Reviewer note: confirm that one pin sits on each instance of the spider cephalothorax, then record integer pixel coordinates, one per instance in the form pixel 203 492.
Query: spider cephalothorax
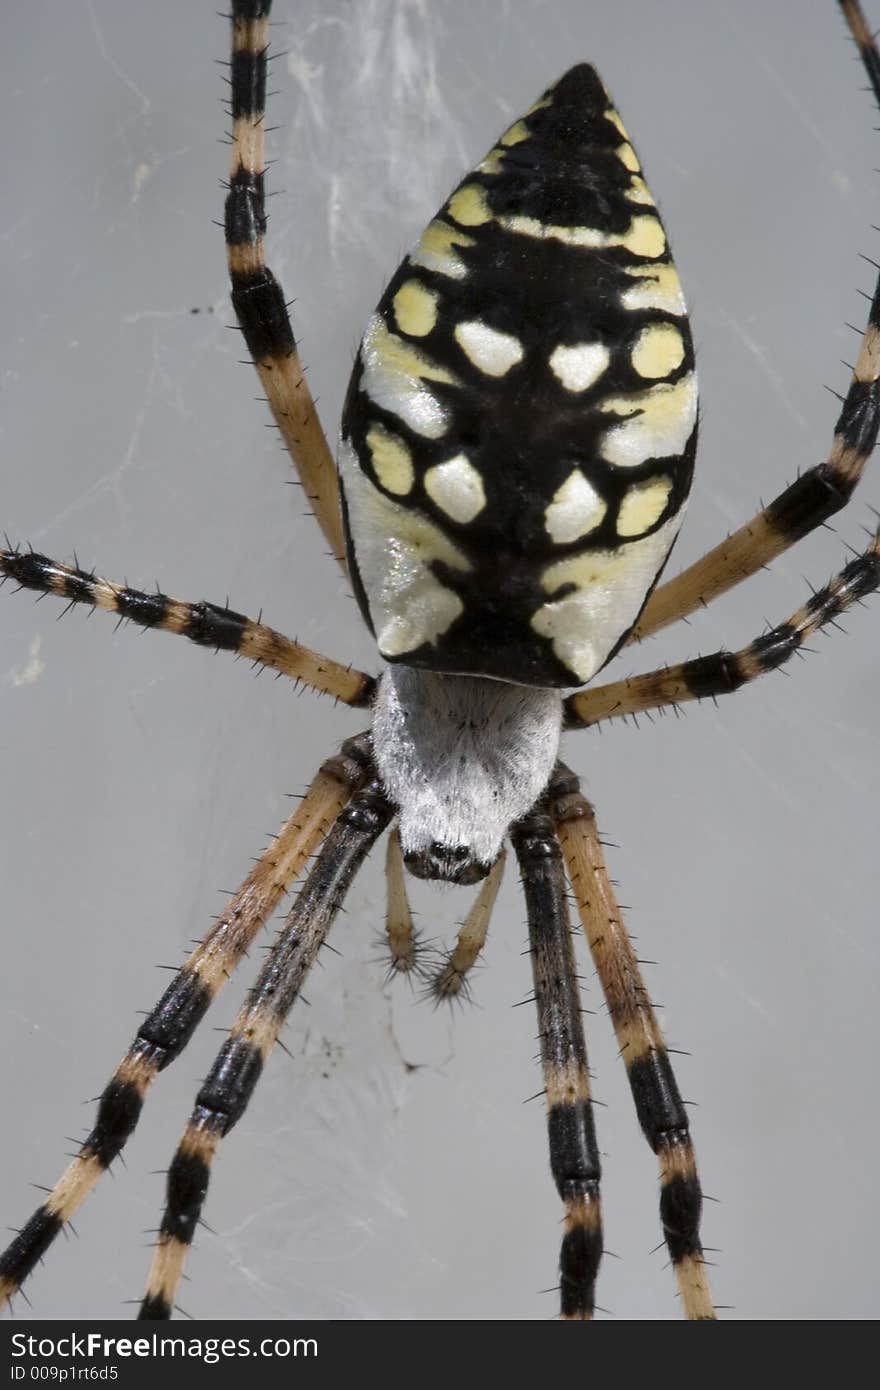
pixel 518 445
pixel 462 758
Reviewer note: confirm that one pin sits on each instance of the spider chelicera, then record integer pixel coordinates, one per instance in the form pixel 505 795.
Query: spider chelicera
pixel 31 576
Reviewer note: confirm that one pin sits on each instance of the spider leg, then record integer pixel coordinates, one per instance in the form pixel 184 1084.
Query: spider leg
pixel 659 1107
pixel 224 1096
pixel 206 624
pixel 399 929
pixel 818 493
pixel 450 981
pixel 257 297
pixel 574 1155
pixel 168 1028
pixel 723 672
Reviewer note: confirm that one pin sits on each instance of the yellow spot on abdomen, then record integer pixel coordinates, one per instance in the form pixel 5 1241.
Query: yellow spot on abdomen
pixel 655 287
pixel 607 589
pixel 639 192
pixel 394 378
pixel 518 132
pixel 643 506
pixel 612 116
pixel 415 309
pixel 661 421
pixel 645 237
pixel 493 162
pixel 468 206
pixel 392 460
pixel 437 247
pixel 628 157
pixel 658 350
pixel 396 546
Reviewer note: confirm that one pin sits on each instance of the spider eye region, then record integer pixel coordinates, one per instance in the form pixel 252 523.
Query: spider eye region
pixel 447 863
pixel 461 758
pixel 519 432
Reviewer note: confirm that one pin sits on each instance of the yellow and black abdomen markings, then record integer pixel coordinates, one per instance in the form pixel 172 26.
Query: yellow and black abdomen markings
pixel 521 421
pixel 809 501
pixel 206 624
pixel 574 1154
pixel 659 1107
pixel 722 672
pixel 257 297
pixel 224 1096
pixel 169 1026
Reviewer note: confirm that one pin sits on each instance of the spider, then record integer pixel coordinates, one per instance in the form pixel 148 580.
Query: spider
pixel 648 663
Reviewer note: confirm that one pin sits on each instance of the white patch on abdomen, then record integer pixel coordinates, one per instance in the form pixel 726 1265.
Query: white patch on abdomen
pixel 394 546
pixel 610 588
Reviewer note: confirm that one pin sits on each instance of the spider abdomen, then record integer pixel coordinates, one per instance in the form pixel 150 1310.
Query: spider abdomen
pixel 519 431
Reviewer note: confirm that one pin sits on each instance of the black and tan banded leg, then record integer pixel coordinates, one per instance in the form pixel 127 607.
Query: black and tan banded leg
pixel 168 1028
pixel 451 980
pixel 818 493
pixel 574 1155
pixel 724 672
pixel 659 1106
pixel 224 1096
pixel 206 624
pixel 257 297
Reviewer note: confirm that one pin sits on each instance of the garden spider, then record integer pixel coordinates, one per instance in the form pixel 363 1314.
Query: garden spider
pixel 747 627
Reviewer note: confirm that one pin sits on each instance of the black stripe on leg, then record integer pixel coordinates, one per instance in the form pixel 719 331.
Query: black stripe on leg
pixel 154 1308
pixel 664 1122
pixel 258 301
pixel 188 1179
pixel 34 571
pixel 27 1249
pixel 245 218
pixel 819 493
pixel 209 625
pixel 681 1208
pixel 856 580
pixel 717 674
pixel 171 1024
pixel 658 1102
pixel 248 78
pixel 119 1110
pixel 811 499
pixel 231 1082
pixel 858 420
pixel 772 649
pixel 574 1154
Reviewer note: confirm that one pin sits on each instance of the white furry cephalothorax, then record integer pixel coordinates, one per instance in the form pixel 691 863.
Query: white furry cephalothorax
pixel 463 757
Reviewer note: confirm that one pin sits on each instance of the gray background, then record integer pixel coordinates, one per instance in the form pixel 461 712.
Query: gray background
pixel 139 774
